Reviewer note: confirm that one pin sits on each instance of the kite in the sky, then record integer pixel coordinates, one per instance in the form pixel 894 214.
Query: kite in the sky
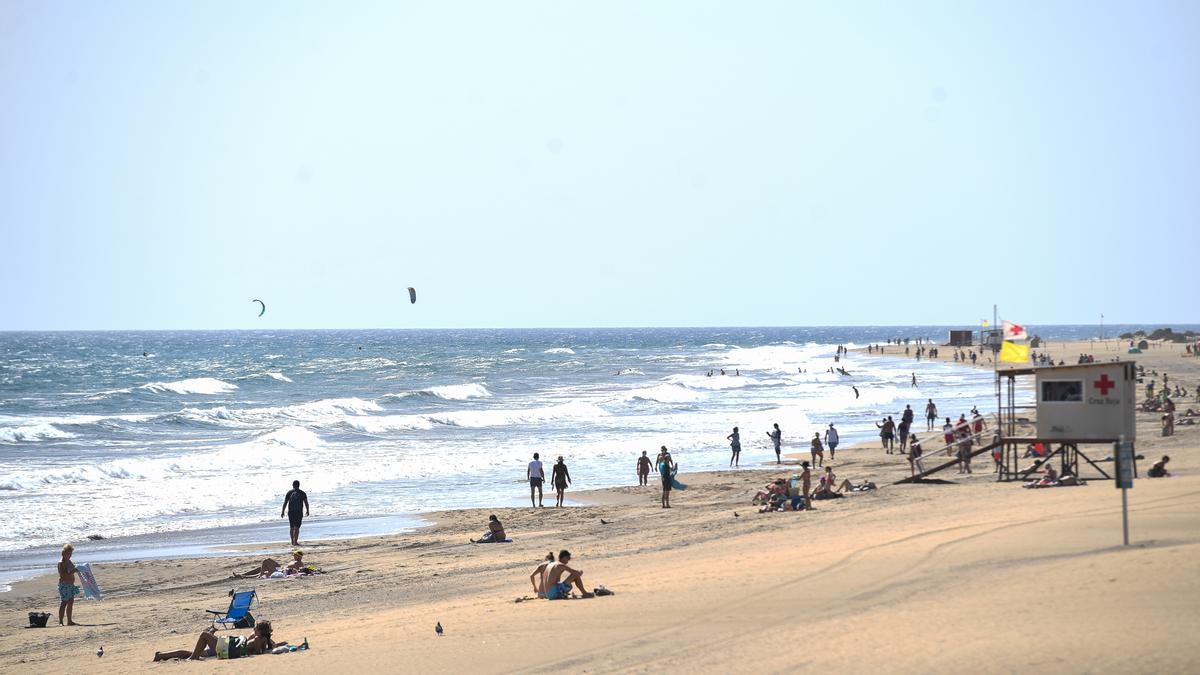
pixel 264 306
pixel 412 295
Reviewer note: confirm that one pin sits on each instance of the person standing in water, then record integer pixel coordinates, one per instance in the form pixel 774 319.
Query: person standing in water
pixel 561 479
pixel 776 437
pixel 735 443
pixel 536 476
pixel 295 502
pixel 643 469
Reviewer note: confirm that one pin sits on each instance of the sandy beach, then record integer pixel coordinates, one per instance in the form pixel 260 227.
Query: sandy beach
pixel 969 575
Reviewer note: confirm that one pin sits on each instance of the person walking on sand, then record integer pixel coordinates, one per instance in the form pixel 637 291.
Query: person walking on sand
pixel 887 432
pixel 561 479
pixel 735 443
pixel 295 502
pixel 817 452
pixel 776 437
pixel 67 590
pixel 831 440
pixel 643 469
pixel 930 415
pixel 536 477
pixel 666 472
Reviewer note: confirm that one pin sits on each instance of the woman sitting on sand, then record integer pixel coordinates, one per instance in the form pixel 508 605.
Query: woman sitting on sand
pixel 1049 479
pixel 226 646
pixel 495 533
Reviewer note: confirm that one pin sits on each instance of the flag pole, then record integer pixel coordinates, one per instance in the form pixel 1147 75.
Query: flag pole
pixel 996 374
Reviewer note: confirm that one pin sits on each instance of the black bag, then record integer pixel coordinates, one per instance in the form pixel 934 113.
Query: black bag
pixel 245 622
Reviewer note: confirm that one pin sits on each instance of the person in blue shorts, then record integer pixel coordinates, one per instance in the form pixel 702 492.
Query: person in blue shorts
pixel 67 590
pixel 560 577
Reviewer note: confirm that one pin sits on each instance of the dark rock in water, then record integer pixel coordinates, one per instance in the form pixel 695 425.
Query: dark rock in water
pixel 95 537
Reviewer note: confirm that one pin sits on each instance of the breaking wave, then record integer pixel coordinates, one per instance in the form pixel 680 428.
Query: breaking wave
pixel 195 385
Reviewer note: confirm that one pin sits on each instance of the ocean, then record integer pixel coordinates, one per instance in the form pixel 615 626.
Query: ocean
pixel 136 434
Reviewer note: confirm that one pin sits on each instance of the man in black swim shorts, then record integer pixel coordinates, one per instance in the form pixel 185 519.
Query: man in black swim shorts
pixel 296 505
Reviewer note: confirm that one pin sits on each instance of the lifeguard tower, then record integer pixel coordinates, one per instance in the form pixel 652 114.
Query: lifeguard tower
pixel 1077 405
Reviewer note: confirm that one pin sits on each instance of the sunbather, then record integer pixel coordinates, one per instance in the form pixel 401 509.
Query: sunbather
pixel 226 646
pixel 1048 479
pixel 538 578
pixel 1159 470
pixel 495 533
pixel 266 569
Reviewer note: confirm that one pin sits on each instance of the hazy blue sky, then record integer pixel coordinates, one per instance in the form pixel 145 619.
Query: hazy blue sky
pixel 597 164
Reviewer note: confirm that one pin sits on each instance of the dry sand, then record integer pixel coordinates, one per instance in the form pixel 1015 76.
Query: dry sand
pixel 970 576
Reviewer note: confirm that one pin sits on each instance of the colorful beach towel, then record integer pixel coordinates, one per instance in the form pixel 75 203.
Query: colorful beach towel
pixel 88 580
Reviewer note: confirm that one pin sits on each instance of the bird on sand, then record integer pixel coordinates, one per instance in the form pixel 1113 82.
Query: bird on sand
pixel 438 629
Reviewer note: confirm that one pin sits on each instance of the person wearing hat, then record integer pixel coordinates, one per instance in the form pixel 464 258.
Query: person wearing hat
pixel 561 479
pixel 831 439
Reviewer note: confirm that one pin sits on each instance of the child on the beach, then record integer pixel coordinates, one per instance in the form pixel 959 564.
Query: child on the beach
pixel 67 590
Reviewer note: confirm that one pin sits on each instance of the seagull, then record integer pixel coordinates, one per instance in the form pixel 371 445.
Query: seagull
pixel 100 652
pixel 735 514
pixel 603 521
pixel 438 629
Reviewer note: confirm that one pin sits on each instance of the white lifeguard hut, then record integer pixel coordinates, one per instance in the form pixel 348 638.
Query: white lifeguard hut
pixel 1084 404
pixel 1089 402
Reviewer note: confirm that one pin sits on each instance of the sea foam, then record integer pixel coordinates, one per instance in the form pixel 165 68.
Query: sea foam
pixel 195 385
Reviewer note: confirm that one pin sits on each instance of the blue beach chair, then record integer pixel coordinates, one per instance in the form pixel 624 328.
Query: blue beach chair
pixel 239 608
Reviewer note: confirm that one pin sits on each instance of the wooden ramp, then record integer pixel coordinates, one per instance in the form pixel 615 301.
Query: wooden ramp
pixel 946 465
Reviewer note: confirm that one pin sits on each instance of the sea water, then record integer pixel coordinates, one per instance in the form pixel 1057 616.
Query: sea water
pixel 126 434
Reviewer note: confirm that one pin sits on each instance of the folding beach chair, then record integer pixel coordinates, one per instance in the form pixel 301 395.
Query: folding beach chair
pixel 239 608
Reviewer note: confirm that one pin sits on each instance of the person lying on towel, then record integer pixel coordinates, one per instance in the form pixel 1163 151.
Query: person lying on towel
pixel 226 646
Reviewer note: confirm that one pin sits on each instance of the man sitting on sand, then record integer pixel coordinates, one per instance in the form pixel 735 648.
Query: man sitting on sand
pixel 560 576
pixel 1159 470
pixel 226 646
pixel 495 533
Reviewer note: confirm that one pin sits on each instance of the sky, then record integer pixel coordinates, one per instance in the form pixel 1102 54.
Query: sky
pixel 537 164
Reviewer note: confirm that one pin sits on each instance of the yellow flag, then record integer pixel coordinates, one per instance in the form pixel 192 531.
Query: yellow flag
pixel 1011 352
pixel 984 322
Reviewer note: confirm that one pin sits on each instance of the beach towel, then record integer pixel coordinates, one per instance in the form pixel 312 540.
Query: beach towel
pixel 490 541
pixel 88 580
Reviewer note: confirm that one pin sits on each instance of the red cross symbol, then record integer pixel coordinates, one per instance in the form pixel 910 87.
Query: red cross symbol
pixel 1016 330
pixel 1104 384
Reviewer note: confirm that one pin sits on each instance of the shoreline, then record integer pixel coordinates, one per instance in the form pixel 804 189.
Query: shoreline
pixel 967 552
